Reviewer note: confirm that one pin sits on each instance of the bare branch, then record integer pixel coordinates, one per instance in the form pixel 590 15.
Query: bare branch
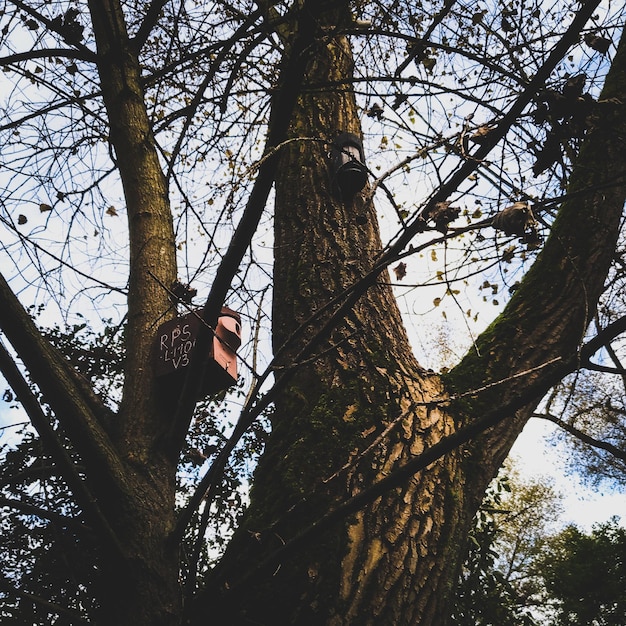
pixel 579 434
pixel 419 46
pixel 149 21
pixel 55 26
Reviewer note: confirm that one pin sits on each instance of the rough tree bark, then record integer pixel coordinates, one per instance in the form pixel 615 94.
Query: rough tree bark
pixel 396 560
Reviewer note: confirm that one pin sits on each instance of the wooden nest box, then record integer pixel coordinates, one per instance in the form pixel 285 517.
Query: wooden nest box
pixel 175 341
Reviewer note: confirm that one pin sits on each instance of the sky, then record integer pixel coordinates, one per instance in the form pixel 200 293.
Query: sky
pixel 537 456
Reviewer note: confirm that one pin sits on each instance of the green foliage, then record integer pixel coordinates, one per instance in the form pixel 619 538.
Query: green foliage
pixel 47 551
pixel 519 572
pixel 487 595
pixel 98 355
pixel 585 575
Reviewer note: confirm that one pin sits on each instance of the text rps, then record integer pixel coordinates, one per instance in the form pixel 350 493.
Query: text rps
pixel 175 346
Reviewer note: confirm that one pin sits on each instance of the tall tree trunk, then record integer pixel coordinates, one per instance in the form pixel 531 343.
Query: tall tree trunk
pixel 396 560
pixel 142 587
pixel 339 400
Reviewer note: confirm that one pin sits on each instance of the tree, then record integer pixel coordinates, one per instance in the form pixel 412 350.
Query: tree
pixel 523 567
pixel 374 467
pixel 584 573
pixel 500 580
